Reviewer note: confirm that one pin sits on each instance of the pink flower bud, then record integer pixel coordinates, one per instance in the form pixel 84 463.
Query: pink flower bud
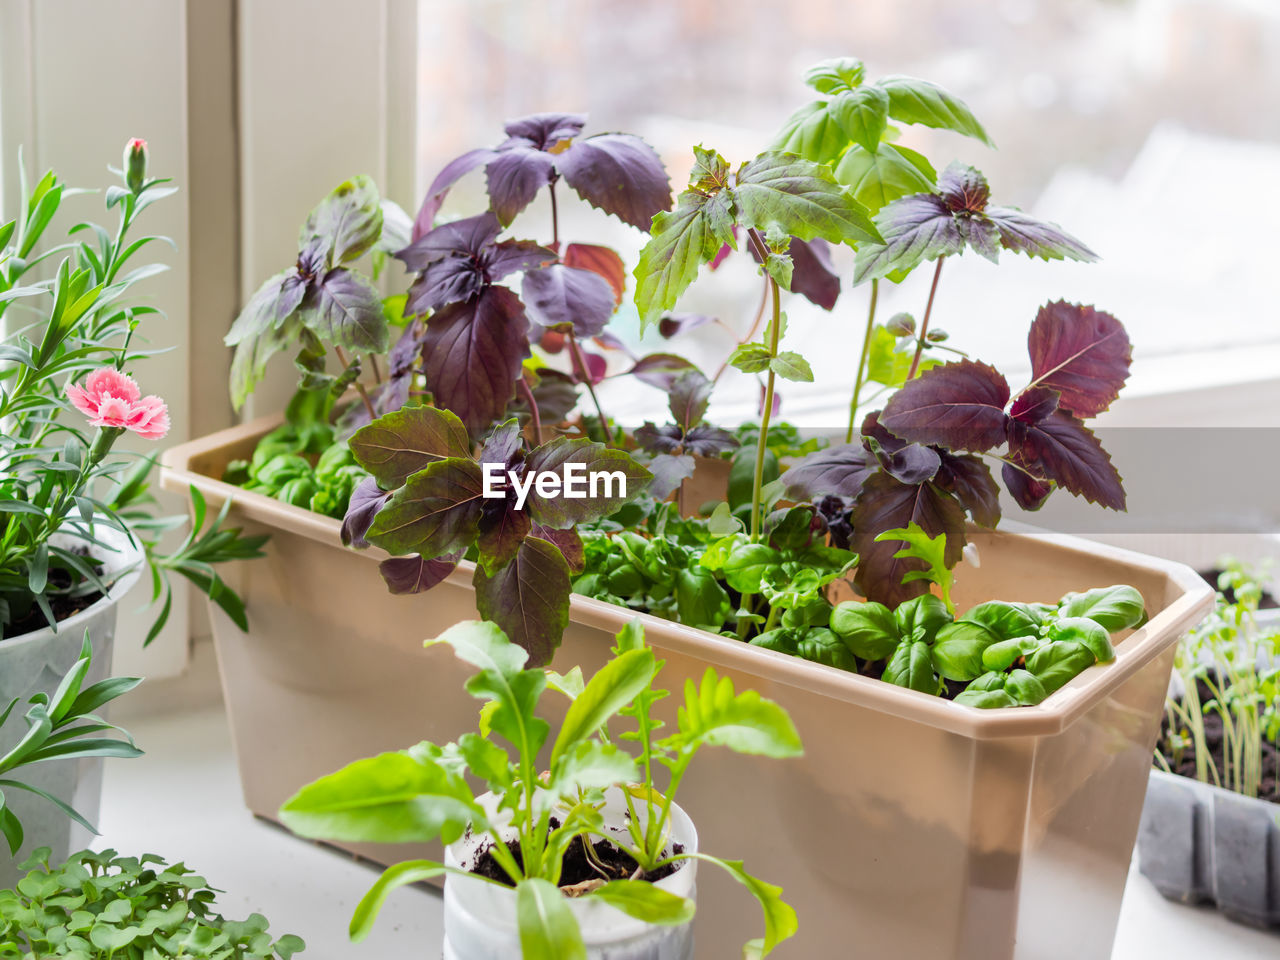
pixel 135 164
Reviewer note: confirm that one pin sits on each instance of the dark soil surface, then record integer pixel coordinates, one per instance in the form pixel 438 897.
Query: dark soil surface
pixel 1270 787
pixel 618 864
pixel 1268 602
pixel 63 606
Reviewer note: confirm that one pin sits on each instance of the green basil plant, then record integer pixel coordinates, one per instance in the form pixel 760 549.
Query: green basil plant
pixel 422 794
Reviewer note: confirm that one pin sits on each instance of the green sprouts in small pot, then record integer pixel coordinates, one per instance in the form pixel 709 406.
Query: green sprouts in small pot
pixel 422 794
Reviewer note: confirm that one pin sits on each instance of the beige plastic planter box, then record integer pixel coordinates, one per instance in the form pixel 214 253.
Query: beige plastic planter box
pixel 911 828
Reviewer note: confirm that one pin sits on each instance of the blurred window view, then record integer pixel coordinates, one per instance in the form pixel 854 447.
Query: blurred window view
pixel 1149 128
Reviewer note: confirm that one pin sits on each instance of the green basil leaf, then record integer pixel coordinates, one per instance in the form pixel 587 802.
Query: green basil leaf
pixel 867 629
pixel 1025 688
pixel 921 617
pixel 1057 662
pixel 911 666
pixel 1115 608
pixel 1087 632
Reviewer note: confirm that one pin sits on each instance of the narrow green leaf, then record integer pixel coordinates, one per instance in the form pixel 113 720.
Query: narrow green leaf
pixel 548 928
pixel 647 902
pixel 399 875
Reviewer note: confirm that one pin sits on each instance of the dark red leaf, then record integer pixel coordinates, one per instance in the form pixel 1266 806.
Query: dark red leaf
pixel 457 238
pixel 1027 491
pixel 434 513
pixel 708 441
pixel 397 445
pixel 620 174
pixel 907 462
pixel 555 393
pixel 963 188
pixel 568 298
pixel 595 367
pixel 667 438
pixel 1023 233
pixel 453 171
pixel 472 353
pixel 366 500
pixel 915 229
pixel 514 178
pixel 544 130
pixel 1034 404
pixel 501 531
pixel 674 323
pixel 669 471
pixel 775 407
pixel 502 445
pixel 839 471
pixel 601 260
pixel 608 341
pixel 528 598
pixel 345 309
pixel 416 574
pixel 510 256
pixel 660 369
pixel 885 504
pixel 568 541
pixel 969 480
pixel 957 405
pixel 1064 450
pixel 442 282
pixel 813 275
pixel 688 399
pixel 1082 353
pixel 609 477
pixel 407 348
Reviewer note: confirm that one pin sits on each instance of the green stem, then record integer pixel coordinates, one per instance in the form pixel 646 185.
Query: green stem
pixel 862 362
pixel 762 444
pixel 924 324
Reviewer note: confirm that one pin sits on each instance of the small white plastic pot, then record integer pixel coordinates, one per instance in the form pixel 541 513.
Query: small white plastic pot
pixel 480 916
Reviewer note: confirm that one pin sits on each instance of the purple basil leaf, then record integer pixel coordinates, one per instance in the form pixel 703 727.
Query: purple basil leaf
pixel 404 355
pixel 1023 233
pixel 688 399
pixel 963 188
pixel 674 323
pixel 453 171
pixel 510 256
pixel 366 500
pixel 503 444
pixel 620 174
pixel 914 463
pixel 466 238
pixel 567 540
pixel 667 438
pixel 669 471
pixel 568 298
pixel 472 355
pixel 502 530
pixel 813 275
pixel 969 480
pixel 398 445
pixel 386 398
pixel 349 220
pixel 601 260
pixel 980 235
pixel 708 441
pixel 1028 492
pixel 528 598
pixel 292 291
pixel 660 369
pixel 915 229
pixel 622 480
pixel 886 504
pixel 434 513
pixel 776 405
pixel 958 405
pixel 608 341
pixel 416 574
pixel 544 130
pixel 1034 404
pixel 837 471
pixel 345 309
pixel 514 178
pixel 595 369
pixel 556 394
pixel 1064 450
pixel 1082 353
pixel 442 282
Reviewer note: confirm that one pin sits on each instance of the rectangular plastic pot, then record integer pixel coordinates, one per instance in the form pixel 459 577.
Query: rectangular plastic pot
pixel 912 827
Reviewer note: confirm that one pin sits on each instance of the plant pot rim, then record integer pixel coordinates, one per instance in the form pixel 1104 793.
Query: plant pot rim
pixel 1272 807
pixel 1056 713
pixel 129 561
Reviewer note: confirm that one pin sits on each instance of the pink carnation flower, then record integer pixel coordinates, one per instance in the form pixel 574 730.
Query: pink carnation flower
pixel 110 398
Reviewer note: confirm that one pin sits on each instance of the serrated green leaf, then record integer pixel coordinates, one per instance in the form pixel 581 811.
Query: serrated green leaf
pixel 804 197
pixel 751 357
pixel 888 174
pixel 682 240
pixel 745 723
pixel 789 365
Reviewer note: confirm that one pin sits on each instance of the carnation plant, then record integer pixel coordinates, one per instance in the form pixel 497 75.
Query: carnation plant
pixel 67 397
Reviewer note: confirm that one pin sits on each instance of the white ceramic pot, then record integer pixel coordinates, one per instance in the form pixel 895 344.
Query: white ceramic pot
pixel 37 661
pixel 480 917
